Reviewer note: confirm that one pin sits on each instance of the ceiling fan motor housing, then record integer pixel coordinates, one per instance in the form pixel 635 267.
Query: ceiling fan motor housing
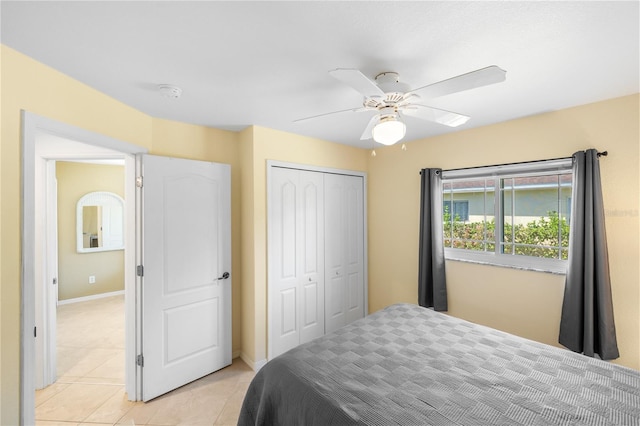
pixel 389 83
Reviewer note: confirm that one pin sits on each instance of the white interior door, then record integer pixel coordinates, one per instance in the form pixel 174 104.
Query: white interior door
pixel 186 259
pixel 296 257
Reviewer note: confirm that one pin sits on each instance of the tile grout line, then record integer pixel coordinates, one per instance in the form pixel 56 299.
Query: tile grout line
pixel 62 381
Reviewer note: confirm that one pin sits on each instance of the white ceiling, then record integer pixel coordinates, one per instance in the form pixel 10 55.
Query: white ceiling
pixel 266 63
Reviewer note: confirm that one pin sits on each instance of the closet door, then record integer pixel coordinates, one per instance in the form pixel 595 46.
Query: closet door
pixel 344 249
pixel 310 233
pixel 296 258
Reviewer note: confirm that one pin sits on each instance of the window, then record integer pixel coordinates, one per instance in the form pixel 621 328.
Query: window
pixel 459 210
pixel 512 215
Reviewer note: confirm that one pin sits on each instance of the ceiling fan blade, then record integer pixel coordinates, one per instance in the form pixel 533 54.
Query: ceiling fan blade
pixel 359 109
pixel 358 81
pixel 423 112
pixel 470 80
pixel 367 134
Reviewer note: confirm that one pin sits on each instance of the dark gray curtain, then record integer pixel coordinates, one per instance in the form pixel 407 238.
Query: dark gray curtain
pixel 432 284
pixel 587 325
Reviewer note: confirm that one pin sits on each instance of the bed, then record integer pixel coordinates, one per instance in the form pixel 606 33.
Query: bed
pixel 407 365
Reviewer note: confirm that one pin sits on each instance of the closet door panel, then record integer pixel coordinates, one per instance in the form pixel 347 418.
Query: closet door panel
pixel 354 246
pixel 344 248
pixel 287 225
pixel 354 292
pixel 283 247
pixel 310 234
pixel 310 315
pixel 336 301
pixel 334 226
pixel 334 246
pixel 311 231
pixel 288 313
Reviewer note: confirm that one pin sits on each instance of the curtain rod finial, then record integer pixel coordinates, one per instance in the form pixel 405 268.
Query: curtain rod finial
pixel 603 154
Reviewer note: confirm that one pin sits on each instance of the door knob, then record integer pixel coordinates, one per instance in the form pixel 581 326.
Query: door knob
pixel 223 277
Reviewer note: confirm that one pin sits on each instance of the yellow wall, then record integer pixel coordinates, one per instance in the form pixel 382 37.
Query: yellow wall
pixel 521 302
pixel 261 145
pixel 74 181
pixel 247 247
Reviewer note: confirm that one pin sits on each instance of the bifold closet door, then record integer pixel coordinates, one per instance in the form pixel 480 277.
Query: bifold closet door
pixel 296 258
pixel 344 249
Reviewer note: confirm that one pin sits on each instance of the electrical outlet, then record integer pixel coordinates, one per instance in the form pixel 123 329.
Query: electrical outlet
pixel 92 279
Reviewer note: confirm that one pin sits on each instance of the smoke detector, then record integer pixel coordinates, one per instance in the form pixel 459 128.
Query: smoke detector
pixel 169 91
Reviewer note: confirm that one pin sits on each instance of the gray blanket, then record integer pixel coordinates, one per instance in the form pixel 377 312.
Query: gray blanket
pixel 407 365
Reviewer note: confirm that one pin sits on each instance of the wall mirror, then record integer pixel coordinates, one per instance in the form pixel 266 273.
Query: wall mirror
pixel 100 222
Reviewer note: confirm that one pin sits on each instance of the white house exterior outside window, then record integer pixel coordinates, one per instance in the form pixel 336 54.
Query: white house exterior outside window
pixel 514 215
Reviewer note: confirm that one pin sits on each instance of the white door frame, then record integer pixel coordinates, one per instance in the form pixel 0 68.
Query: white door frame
pixel 34 175
pixel 46 294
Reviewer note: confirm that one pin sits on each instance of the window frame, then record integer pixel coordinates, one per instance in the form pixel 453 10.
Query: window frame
pixel 504 171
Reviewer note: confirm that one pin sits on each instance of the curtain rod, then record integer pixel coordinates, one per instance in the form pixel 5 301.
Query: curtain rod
pixel 600 154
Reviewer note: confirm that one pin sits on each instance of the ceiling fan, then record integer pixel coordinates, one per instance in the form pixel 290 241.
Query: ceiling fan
pixel 392 99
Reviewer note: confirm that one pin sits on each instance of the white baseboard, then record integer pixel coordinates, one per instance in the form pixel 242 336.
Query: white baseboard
pixel 259 364
pixel 92 297
pixel 255 365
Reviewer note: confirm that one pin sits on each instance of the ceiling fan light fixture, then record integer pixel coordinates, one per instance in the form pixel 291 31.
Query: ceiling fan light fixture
pixel 389 130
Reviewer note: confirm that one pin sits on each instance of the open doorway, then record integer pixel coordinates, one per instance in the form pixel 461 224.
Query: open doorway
pixel 44 142
pixel 81 263
pixel 90 344
pixel 88 200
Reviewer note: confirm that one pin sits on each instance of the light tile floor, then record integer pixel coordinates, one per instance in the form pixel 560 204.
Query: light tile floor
pixel 90 385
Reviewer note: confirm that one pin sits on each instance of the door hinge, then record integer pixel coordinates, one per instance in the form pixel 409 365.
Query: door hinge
pixel 55 281
pixel 34 332
pixel 139 182
pixel 140 271
pixel 140 360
